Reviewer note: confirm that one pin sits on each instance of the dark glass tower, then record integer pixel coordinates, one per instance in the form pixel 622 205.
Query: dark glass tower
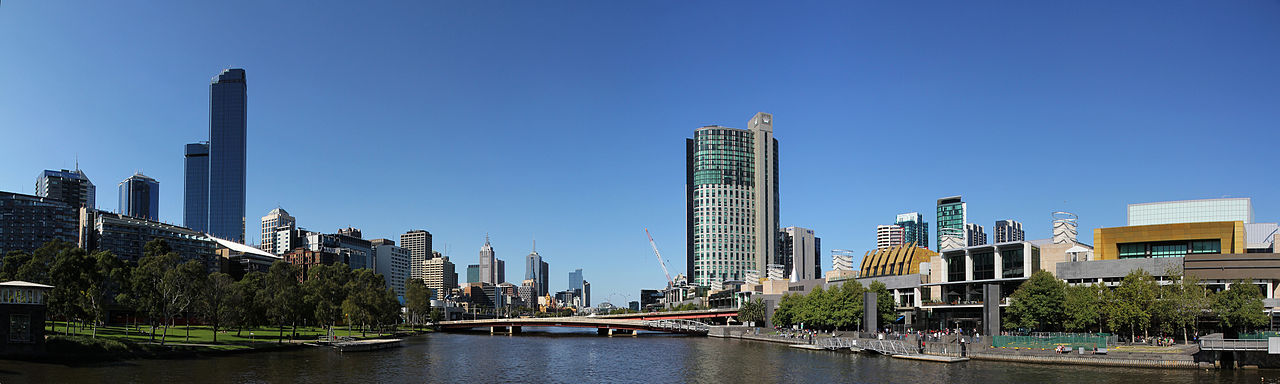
pixel 227 122
pixel 195 202
pixel 140 197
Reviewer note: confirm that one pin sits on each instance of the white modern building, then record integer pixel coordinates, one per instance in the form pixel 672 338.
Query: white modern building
pixel 392 263
pixel 842 259
pixel 276 221
pixel 732 202
pixel 889 236
pixel 1191 211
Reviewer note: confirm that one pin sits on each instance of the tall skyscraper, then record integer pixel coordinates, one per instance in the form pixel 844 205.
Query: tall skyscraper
pixel 418 242
pixel 803 253
pixel 473 273
pixel 889 236
pixel 275 221
pixel 140 197
pixel 952 216
pixel 228 119
pixel 974 235
pixel 488 265
pixel 586 293
pixel 535 270
pixel 195 195
pixel 71 187
pixel 1009 230
pixel 439 276
pixel 914 228
pixel 576 283
pixel 732 209
pixel 546 278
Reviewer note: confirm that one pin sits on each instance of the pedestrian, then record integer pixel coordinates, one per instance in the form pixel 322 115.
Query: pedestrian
pixel 964 351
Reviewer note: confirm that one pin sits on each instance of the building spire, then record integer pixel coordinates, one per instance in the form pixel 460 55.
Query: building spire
pixel 486 238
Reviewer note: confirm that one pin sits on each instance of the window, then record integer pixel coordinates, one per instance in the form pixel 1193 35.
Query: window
pixel 984 264
pixel 1133 250
pixel 19 328
pixel 1206 246
pixel 1011 264
pixel 955 268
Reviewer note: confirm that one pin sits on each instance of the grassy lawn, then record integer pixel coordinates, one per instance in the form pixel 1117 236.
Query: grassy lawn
pixel 204 334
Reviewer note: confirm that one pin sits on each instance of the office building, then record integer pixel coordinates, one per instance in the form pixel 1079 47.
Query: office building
pixel 586 293
pixel 473 274
pixel 439 276
pixel 391 262
pixel 952 217
pixel 355 252
pixel 575 280
pixel 71 187
pixel 732 201
pixel 228 118
pixel 1009 230
pixel 536 271
pixel 126 237
pixel 140 197
pixel 974 234
pixel 306 258
pixel 1191 211
pixel 502 271
pixel 272 224
pixel 488 263
pixel 195 193
pixel 418 242
pixel 889 236
pixel 959 277
pixel 237 259
pixel 915 229
pixel 802 252
pixel 27 222
pixel 545 284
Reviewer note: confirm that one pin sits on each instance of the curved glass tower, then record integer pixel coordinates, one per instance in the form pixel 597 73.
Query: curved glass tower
pixel 227 121
pixel 732 184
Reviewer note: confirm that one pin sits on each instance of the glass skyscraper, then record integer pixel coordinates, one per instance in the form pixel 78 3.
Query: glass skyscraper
pixel 195 195
pixel 732 208
pixel 140 197
pixel 216 205
pixel 71 187
pixel 952 217
pixel 915 229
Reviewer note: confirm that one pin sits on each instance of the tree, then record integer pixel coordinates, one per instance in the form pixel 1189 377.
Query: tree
pixel 220 302
pixel 788 309
pixel 1239 308
pixel 813 313
pixel 417 300
pixel 885 310
pixel 1082 308
pixel 150 294
pixel 369 301
pixel 13 261
pixel 70 280
pixel 252 312
pixel 1133 303
pixel 752 311
pixel 181 287
pixel 325 290
pixel 1186 300
pixel 1038 303
pixel 436 315
pixel 283 298
pixel 847 310
pixel 108 280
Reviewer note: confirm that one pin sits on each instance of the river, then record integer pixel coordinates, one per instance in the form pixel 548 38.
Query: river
pixel 544 355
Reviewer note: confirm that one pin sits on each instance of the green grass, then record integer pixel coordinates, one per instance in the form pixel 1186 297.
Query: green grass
pixel 204 334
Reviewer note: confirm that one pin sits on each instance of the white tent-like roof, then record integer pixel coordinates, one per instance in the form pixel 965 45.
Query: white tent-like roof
pixel 234 246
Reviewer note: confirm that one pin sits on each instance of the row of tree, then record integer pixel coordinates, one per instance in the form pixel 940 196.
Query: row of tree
pixel 836 308
pixel 1139 304
pixel 161 289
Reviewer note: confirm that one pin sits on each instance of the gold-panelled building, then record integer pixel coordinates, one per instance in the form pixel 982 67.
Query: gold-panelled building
pixel 895 261
pixel 1169 240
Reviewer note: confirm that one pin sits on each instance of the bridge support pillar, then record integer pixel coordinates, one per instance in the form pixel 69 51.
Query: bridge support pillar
pixel 497 329
pixel 516 330
pixel 604 331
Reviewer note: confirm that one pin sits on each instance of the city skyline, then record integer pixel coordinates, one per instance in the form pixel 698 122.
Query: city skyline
pixel 544 155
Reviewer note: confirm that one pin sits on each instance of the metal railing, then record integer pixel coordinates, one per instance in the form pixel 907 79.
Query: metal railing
pixel 837 343
pixel 678 325
pixel 1233 344
pixel 888 347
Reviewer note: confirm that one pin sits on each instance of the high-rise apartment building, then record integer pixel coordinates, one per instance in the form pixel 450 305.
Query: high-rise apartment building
pixel 215 171
pixel 140 197
pixel 391 262
pixel 195 193
pixel 842 259
pixel 889 236
pixel 974 235
pixel 439 276
pixel 27 222
pixel 952 216
pixel 802 252
pixel 71 187
pixel 1009 230
pixel 914 228
pixel 732 201
pixel 418 242
pixel 272 224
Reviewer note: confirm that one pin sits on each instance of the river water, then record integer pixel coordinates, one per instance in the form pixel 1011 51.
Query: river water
pixel 545 355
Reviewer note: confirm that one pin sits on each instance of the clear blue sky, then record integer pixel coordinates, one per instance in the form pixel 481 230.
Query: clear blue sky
pixel 565 121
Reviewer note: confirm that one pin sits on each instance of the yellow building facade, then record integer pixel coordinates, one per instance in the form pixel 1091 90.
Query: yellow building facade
pixel 898 260
pixel 1168 240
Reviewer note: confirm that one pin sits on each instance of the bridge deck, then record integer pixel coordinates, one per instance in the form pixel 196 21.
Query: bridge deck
pixel 583 322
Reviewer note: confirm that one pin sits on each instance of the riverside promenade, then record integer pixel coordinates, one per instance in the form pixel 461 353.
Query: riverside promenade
pixel 949 346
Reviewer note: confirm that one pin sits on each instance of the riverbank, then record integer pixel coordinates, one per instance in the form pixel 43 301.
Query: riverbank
pixel 1113 359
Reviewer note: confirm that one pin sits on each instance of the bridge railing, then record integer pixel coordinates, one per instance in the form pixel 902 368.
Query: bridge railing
pixel 1233 344
pixel 679 325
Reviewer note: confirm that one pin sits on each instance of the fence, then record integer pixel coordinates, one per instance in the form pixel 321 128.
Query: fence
pixel 1049 342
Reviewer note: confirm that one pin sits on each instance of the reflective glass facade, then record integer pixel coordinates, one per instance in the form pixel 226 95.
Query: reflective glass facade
pixel 915 229
pixel 140 197
pixel 71 187
pixel 195 193
pixel 227 127
pixel 951 219
pixel 732 202
pixel 1191 211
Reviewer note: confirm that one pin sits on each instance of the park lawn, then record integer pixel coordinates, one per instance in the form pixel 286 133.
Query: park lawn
pixel 204 334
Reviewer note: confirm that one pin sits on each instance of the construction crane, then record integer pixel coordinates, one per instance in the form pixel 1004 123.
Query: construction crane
pixel 670 282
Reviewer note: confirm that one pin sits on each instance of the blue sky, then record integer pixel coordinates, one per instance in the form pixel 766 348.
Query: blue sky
pixel 565 121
